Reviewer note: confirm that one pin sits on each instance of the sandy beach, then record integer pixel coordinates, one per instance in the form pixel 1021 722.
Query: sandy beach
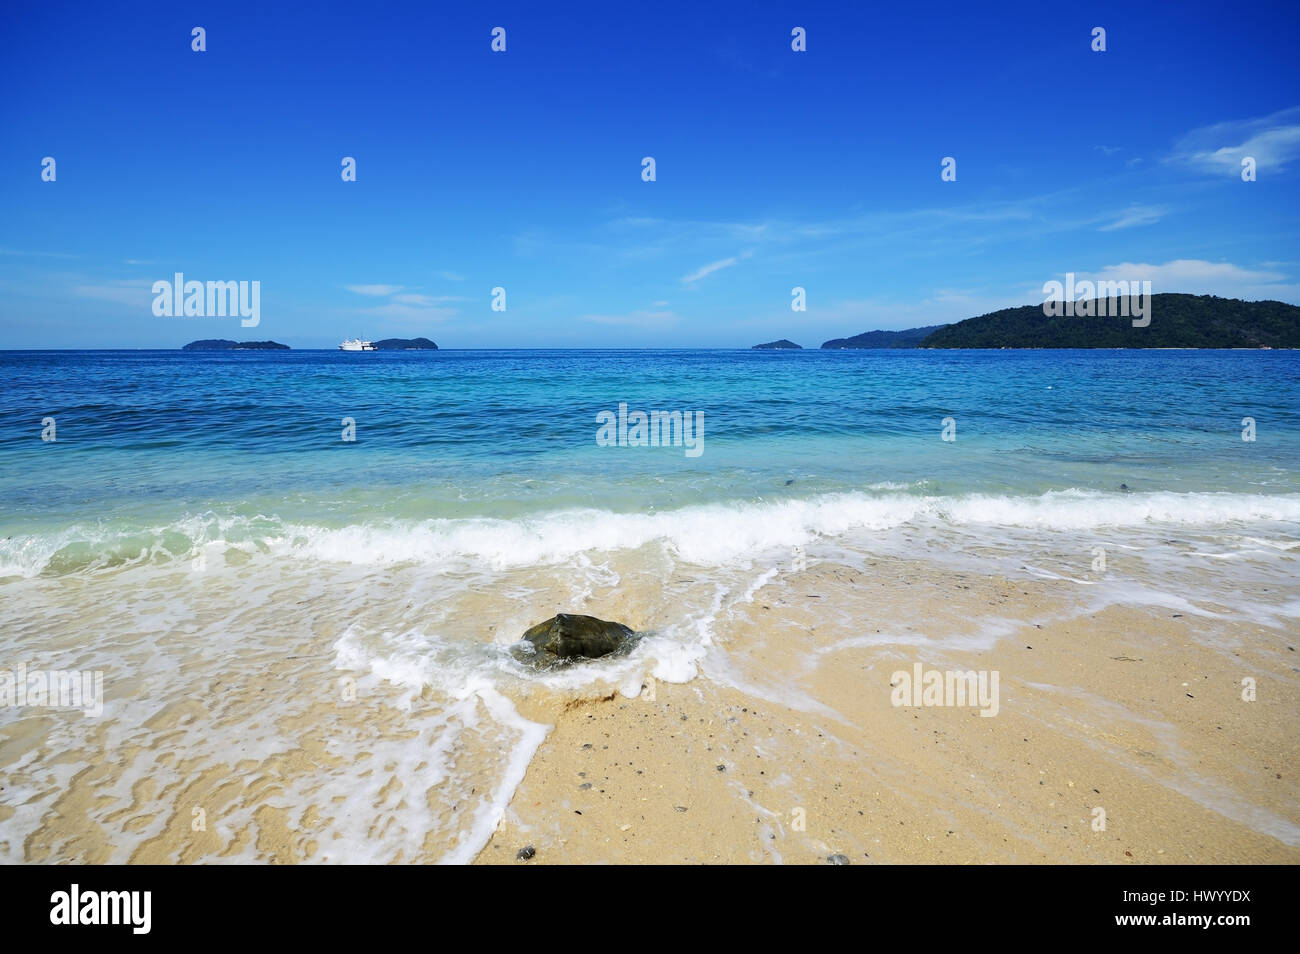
pixel 785 747
pixel 1123 710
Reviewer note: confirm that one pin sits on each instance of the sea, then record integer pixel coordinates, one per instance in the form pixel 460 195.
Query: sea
pixel 302 575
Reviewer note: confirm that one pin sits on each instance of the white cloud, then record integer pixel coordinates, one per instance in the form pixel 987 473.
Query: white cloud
pixel 407 309
pixel 449 276
pixel 15 251
pixel 709 269
pixel 636 221
pixel 717 266
pixel 1198 277
pixel 404 314
pixel 1187 276
pixel 1272 141
pixel 1135 215
pixel 377 290
pixel 414 299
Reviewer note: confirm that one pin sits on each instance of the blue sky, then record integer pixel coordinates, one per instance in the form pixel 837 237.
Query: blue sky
pixel 522 169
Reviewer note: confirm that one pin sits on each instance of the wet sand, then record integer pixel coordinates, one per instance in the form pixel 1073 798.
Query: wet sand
pixel 1127 710
pixel 786 747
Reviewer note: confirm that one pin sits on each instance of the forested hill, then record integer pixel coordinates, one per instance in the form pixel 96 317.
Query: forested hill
pixel 1177 321
pixel 908 338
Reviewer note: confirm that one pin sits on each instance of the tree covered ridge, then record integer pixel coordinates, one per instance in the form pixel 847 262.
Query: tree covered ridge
pixel 1177 321
pixel 908 338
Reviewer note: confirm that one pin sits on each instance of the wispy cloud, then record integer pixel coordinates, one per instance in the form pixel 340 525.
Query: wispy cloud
pixel 941 306
pixel 1193 270
pixel 130 291
pixel 1272 141
pixel 408 315
pixel 410 298
pixel 709 269
pixel 1199 277
pixel 405 309
pixel 1108 150
pixel 33 254
pixel 1135 215
pixel 642 238
pixel 449 276
pixel 376 290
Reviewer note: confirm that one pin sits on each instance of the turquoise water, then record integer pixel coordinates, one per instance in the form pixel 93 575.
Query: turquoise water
pixel 482 462
pixel 144 437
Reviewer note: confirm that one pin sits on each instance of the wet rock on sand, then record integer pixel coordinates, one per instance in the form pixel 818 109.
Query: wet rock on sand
pixel 567 636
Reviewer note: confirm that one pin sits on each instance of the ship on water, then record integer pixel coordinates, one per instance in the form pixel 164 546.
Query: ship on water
pixel 356 344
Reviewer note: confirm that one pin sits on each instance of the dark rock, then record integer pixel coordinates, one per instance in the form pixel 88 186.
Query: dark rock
pixel 567 636
pixel 837 859
pixel 526 852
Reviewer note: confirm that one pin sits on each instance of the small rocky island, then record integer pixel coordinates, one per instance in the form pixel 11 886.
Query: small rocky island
pixel 405 344
pixel 222 344
pixel 782 345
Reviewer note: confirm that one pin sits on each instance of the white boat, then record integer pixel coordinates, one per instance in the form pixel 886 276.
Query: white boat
pixel 356 344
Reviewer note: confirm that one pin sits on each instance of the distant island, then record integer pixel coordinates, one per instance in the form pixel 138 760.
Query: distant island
pixel 405 344
pixel 1177 321
pixel 782 345
pixel 910 338
pixel 222 344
